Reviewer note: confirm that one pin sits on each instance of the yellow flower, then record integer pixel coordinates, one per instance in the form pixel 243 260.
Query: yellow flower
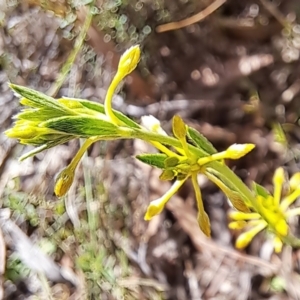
pixel 129 60
pixel 127 64
pixel 156 206
pixel 272 212
pixel 235 151
pixel 64 181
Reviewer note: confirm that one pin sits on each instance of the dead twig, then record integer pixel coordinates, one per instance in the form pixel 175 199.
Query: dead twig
pixel 191 20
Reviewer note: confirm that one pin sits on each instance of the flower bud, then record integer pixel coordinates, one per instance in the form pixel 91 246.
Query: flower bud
pixel 277 244
pixel 204 223
pixel 239 216
pixel 295 181
pixel 24 132
pixel 155 207
pixel 237 151
pixel 64 181
pixel 278 178
pixel 237 225
pixel 243 240
pixel 129 60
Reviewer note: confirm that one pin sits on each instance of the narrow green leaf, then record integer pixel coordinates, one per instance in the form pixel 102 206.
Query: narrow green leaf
pixel 39 114
pixel 95 106
pixel 46 146
pixel 179 128
pixel 70 103
pixel 43 139
pixel 88 104
pixel 82 126
pixel 33 152
pixel 155 160
pixel 237 199
pixel 260 190
pixel 39 100
pixel 201 141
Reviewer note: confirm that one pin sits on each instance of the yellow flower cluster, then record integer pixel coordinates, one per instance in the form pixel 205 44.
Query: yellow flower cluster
pixel 271 212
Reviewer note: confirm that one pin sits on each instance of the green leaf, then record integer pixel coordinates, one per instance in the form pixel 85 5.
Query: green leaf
pixel 201 141
pixel 39 100
pixel 39 114
pixel 171 161
pixel 155 160
pixel 179 128
pixel 33 152
pixel 70 103
pixel 43 139
pixel 222 182
pixel 82 126
pixel 260 190
pixel 80 109
pixel 46 146
pixel 100 108
pixel 167 175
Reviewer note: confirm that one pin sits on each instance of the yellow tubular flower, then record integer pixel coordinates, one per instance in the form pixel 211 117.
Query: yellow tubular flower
pixel 290 199
pixel 64 181
pixel 127 64
pixel 65 178
pixel 278 180
pixel 235 151
pixel 237 225
pixel 240 216
pixel 277 244
pixel 156 206
pixel 295 181
pixel 272 212
pixel 245 238
pixel 129 60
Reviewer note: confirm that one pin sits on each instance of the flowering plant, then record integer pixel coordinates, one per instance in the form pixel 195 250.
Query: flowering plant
pixel 47 122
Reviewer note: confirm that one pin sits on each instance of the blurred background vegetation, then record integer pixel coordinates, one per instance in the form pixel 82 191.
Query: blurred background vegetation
pixel 232 73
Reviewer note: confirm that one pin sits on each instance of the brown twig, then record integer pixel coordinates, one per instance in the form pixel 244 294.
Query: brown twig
pixel 272 9
pixel 191 20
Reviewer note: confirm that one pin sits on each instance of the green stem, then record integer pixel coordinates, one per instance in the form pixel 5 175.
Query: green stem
pixel 149 137
pixel 108 99
pixel 87 143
